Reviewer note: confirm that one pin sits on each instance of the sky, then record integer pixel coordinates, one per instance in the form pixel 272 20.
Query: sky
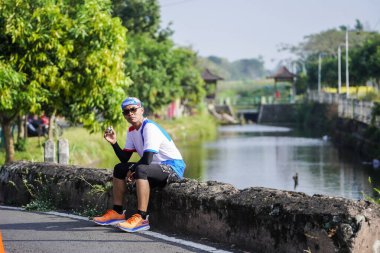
pixel 243 29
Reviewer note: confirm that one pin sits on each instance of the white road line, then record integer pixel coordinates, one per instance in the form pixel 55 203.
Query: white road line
pixel 150 233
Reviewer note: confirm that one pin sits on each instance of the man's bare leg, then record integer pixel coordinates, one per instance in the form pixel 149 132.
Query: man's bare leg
pixel 118 190
pixel 143 191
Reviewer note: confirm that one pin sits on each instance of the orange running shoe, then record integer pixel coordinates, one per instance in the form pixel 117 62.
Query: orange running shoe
pixel 111 217
pixel 134 224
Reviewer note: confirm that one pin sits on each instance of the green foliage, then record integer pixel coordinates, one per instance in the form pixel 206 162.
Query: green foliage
pixel 301 83
pixel 69 55
pixel 14 94
pixel 97 189
pixel 138 16
pixel 216 65
pixel 365 60
pixel 15 97
pixel 372 133
pixel 329 71
pixel 243 93
pixel 364 55
pixel 191 82
pixel 248 69
pixel 161 73
pixel 40 204
pixel 101 189
pixel 327 42
pixel 40 194
pixel 375 199
pixel 21 144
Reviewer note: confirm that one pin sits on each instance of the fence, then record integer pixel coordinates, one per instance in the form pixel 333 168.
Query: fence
pixel 347 108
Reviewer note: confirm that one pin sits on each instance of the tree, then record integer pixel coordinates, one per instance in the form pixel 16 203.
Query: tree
pixel 358 25
pixel 15 96
pixel 327 42
pixel 244 69
pixel 217 65
pixel 248 69
pixel 365 61
pixel 156 70
pixel 159 71
pixel 71 52
pixel 138 16
pixel 192 84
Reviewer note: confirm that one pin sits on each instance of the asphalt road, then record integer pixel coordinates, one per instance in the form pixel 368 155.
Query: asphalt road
pixel 53 232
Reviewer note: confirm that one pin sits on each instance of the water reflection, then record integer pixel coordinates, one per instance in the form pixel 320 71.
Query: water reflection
pixel 266 156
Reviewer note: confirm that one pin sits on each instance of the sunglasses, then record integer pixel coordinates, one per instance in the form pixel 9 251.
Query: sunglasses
pixel 132 110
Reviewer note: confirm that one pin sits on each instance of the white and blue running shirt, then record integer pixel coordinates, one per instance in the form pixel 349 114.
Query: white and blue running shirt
pixel 152 138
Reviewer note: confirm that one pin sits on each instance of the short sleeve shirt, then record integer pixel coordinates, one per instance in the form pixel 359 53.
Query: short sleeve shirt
pixel 151 137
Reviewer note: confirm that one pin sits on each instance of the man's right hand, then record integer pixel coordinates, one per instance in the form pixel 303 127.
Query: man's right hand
pixel 130 176
pixel 110 136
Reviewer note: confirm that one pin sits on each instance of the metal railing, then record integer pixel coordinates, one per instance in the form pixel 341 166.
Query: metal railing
pixel 347 108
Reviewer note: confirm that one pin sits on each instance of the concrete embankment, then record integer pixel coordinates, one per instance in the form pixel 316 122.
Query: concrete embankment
pixel 362 138
pixel 354 135
pixel 278 114
pixel 255 219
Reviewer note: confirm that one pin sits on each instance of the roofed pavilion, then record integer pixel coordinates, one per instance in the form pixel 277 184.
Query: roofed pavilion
pixel 283 75
pixel 210 80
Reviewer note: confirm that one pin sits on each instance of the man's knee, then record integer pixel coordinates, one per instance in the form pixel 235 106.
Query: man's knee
pixel 141 171
pixel 120 171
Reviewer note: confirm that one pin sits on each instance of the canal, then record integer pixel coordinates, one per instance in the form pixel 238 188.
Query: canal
pixel 268 156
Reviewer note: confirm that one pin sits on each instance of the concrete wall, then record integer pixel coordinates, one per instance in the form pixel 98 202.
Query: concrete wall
pixel 349 133
pixel 277 113
pixel 256 219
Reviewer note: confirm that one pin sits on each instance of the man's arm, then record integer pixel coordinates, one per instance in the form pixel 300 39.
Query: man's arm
pixel 123 156
pixel 145 159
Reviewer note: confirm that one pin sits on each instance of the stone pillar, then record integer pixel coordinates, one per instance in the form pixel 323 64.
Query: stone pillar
pixel 63 151
pixel 49 151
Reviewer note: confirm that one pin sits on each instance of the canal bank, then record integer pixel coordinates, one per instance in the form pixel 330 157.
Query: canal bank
pixel 362 138
pixel 257 219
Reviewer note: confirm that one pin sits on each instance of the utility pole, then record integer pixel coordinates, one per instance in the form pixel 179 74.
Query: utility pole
pixel 319 72
pixel 347 74
pixel 339 70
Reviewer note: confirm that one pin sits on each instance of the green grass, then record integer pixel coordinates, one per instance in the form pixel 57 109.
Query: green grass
pixel 85 148
pixel 190 128
pixel 34 151
pixel 88 149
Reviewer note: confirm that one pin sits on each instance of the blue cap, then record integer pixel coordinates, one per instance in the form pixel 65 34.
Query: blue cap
pixel 131 101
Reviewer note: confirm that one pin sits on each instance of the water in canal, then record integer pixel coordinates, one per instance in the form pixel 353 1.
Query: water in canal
pixel 268 156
